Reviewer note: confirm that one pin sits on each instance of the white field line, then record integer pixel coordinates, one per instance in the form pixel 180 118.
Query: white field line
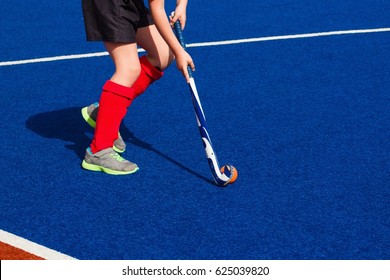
pixel 206 44
pixel 31 247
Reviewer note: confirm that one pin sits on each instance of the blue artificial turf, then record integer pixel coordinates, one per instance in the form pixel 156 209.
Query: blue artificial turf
pixel 305 121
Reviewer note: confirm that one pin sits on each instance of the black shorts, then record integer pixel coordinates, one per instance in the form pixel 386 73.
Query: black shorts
pixel 114 21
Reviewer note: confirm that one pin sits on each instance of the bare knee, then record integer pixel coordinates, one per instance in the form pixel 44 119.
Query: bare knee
pixel 158 51
pixel 161 59
pixel 169 59
pixel 127 66
pixel 126 73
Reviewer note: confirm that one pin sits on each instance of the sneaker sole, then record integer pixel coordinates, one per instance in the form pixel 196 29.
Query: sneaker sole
pixel 118 150
pixel 84 113
pixel 92 123
pixel 93 167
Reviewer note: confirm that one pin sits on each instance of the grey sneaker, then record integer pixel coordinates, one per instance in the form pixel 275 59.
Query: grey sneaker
pixel 108 161
pixel 90 115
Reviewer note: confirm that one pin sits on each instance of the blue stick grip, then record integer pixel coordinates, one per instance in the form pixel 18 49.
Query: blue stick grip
pixel 179 33
pixel 180 38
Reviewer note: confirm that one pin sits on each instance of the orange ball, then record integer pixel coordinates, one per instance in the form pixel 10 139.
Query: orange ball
pixel 233 171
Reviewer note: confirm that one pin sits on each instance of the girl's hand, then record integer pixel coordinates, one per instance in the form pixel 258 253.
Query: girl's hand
pixel 180 14
pixel 183 60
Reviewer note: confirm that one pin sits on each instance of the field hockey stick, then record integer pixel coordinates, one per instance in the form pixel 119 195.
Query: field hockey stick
pixel 228 173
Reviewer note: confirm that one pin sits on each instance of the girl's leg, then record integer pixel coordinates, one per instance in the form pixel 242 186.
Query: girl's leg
pixel 117 95
pixel 131 78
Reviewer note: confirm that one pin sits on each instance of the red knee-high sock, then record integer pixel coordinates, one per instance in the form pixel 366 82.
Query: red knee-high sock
pixel 113 105
pixel 148 75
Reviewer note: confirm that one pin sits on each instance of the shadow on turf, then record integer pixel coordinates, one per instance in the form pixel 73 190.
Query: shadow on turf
pixel 69 126
pixel 129 137
pixel 66 125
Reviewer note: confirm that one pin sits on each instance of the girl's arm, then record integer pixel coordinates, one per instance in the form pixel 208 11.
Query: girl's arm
pixel 157 10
